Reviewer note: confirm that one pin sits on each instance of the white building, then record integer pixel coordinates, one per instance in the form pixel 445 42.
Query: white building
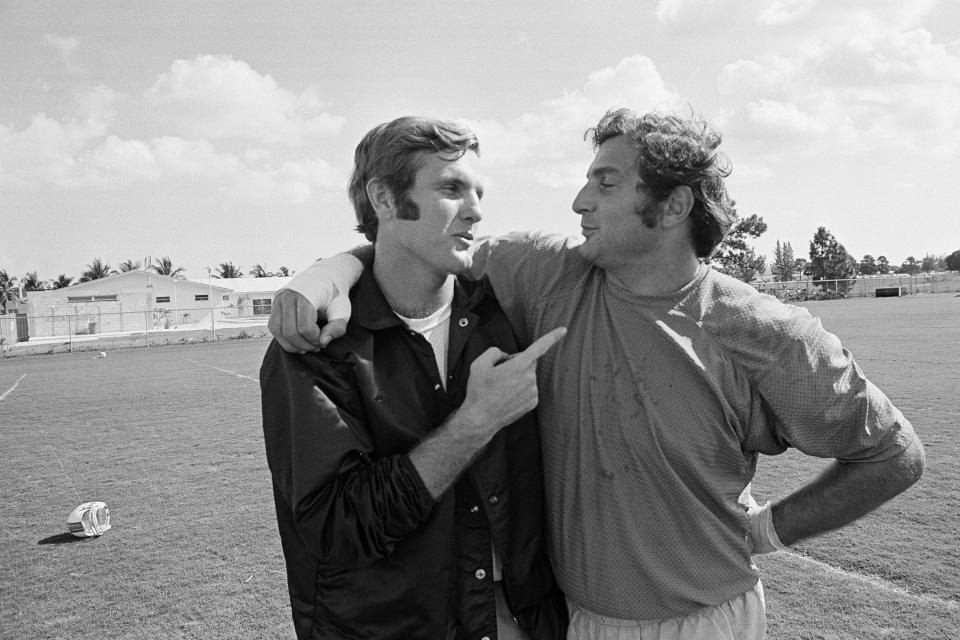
pixel 251 297
pixel 138 300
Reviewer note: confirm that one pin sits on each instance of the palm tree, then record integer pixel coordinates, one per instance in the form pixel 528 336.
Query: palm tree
pixel 129 265
pixel 259 271
pixel 164 267
pixel 96 270
pixel 31 282
pixel 228 270
pixel 8 289
pixel 63 280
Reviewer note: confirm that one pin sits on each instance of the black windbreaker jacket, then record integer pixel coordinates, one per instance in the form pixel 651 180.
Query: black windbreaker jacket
pixel 369 554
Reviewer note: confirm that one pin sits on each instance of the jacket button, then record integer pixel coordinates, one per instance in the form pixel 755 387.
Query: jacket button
pixel 493 500
pixel 480 574
pixel 474 509
pixel 463 322
pixel 485 638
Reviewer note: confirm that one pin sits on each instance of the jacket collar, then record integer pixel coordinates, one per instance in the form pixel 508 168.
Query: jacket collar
pixel 373 312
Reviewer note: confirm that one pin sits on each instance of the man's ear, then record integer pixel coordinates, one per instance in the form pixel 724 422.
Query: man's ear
pixel 381 198
pixel 677 206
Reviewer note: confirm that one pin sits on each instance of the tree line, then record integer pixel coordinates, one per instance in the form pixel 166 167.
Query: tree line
pixel 828 258
pixel 10 286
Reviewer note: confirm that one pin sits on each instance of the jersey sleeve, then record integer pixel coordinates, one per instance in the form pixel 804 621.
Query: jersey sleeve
pixel 324 280
pixel 524 266
pixel 821 401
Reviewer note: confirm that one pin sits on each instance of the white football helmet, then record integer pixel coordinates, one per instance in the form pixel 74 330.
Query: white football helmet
pixel 89 519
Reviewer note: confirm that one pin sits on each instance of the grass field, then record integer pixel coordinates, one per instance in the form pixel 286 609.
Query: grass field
pixel 896 572
pixel 169 438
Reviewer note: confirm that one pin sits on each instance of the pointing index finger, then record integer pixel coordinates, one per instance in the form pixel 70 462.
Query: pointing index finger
pixel 540 346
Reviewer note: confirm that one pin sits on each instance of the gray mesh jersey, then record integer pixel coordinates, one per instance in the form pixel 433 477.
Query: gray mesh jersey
pixel 653 411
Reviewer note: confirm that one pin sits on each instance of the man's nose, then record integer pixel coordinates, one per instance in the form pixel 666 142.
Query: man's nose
pixel 471 209
pixel 583 203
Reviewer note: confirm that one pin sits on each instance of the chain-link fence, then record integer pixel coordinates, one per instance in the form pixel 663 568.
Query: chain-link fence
pixel 96 323
pixel 888 285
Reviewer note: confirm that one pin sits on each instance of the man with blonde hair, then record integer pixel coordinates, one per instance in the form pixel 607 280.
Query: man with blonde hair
pixel 405 457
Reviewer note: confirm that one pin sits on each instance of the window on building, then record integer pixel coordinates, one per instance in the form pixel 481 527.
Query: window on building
pixel 163 299
pixel 106 298
pixel 201 297
pixel 226 298
pixel 262 306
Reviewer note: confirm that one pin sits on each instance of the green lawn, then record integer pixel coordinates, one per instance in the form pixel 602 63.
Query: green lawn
pixel 901 564
pixel 169 438
pixel 174 447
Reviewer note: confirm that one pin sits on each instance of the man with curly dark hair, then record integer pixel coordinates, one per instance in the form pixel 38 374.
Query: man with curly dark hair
pixel 671 381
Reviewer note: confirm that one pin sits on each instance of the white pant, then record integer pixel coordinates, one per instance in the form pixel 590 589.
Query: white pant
pixel 740 618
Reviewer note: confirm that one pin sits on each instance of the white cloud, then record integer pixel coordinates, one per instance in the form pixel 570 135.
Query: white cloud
pixel 53 151
pixel 45 149
pixel 198 158
pixel 899 90
pixel 67 47
pixel 785 119
pixel 218 97
pixel 115 163
pixel 898 57
pixel 211 103
pixel 748 80
pixel 82 156
pixel 291 183
pixel 549 142
pixel 316 172
pixel 678 11
pixel 795 19
pixel 71 161
pixel 785 11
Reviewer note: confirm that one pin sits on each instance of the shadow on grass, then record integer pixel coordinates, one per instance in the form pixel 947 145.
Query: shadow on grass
pixel 64 538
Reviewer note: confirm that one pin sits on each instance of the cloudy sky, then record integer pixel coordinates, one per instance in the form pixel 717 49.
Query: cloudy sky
pixel 219 130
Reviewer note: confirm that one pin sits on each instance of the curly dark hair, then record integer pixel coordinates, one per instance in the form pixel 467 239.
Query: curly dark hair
pixel 675 151
pixel 393 153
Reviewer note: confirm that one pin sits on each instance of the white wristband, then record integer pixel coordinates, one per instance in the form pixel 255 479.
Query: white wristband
pixel 325 280
pixel 765 538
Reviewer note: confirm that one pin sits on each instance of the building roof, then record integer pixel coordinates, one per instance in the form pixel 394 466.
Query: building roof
pixel 131 279
pixel 270 284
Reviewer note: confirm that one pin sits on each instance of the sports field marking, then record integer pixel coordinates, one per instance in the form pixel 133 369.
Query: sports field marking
pixel 874 581
pixel 63 470
pixel 10 390
pixel 233 373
